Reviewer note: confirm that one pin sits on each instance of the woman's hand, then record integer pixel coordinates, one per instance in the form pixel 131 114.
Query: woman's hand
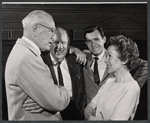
pixel 92 118
pixel 89 111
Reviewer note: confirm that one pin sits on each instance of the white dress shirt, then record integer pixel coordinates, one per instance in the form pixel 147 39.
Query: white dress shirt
pixel 65 74
pixel 101 64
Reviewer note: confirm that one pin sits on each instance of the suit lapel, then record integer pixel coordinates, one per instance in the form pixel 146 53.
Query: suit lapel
pixel 90 71
pixel 73 75
pixel 48 61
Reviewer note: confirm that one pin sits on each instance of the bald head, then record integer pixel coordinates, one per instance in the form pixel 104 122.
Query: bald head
pixel 61 34
pixel 60 44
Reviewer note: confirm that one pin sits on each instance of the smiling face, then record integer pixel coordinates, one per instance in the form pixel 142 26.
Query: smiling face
pixel 95 42
pixel 60 44
pixel 113 62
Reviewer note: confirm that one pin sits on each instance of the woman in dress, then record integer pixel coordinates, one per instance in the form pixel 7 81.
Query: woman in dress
pixel 118 98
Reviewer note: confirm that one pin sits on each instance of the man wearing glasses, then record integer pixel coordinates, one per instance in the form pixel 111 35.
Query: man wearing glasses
pixel 26 75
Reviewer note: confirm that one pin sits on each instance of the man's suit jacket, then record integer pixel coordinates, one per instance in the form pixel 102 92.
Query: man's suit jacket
pixel 91 87
pixel 140 74
pixel 140 71
pixel 75 109
pixel 26 75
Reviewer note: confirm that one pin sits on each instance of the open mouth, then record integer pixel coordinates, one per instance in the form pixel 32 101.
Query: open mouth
pixel 50 43
pixel 108 65
pixel 95 48
pixel 59 52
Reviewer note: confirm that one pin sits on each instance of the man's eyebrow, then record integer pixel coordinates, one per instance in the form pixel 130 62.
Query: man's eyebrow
pixel 96 38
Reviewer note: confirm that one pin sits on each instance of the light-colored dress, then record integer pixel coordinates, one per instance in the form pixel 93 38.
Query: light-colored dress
pixel 117 101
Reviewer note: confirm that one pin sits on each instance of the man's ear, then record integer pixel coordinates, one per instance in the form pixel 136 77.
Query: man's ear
pixel 35 30
pixel 86 43
pixel 104 38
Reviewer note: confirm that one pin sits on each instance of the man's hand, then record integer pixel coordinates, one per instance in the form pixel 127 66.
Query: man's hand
pixel 32 106
pixel 81 57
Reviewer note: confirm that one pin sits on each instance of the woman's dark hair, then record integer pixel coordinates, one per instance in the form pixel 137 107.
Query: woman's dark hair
pixel 126 47
pixel 92 28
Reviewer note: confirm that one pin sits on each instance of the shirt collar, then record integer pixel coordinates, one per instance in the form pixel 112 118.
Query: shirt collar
pixel 100 56
pixel 32 43
pixel 55 61
pixel 64 62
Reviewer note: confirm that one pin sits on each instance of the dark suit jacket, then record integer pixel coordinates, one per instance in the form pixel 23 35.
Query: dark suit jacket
pixel 140 74
pixel 91 87
pixel 75 109
pixel 140 71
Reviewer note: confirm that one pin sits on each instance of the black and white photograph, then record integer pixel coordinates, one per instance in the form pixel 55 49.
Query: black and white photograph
pixel 74 61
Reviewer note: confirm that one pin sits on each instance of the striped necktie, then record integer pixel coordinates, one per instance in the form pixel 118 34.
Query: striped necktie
pixel 60 75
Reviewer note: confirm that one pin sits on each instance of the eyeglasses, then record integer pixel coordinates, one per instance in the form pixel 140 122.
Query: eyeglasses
pixel 52 30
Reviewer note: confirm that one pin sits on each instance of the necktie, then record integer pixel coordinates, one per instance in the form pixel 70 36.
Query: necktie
pixel 60 75
pixel 96 73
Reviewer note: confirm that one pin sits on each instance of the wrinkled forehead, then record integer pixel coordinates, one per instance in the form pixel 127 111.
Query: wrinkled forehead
pixel 61 35
pixel 49 22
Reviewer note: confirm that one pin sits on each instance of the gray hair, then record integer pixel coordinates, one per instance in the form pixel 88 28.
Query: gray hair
pixel 34 17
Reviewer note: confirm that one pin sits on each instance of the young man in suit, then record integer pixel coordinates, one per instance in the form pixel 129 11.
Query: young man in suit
pixel 71 74
pixel 26 75
pixel 95 70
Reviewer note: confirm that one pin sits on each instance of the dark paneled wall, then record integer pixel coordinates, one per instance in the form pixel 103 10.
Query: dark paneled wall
pixel 77 16
pixel 127 19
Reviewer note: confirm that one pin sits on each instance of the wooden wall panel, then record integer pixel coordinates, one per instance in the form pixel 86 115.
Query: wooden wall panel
pixel 115 19
pixel 77 16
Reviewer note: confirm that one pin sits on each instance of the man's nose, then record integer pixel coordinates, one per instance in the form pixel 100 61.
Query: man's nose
pixel 52 35
pixel 60 46
pixel 93 43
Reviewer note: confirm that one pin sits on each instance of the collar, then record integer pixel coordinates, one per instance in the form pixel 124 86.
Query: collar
pixel 100 56
pixel 64 62
pixel 31 43
pixel 54 61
